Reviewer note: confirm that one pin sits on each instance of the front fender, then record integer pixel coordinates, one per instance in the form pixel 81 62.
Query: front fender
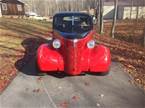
pixel 49 59
pixel 100 59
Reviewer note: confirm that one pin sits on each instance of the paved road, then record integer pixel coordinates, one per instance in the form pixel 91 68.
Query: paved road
pixel 89 91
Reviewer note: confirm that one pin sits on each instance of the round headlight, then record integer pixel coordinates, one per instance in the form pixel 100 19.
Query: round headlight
pixel 91 44
pixel 56 44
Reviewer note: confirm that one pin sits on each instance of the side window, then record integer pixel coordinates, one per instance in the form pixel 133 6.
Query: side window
pixel 4 6
pixel 58 23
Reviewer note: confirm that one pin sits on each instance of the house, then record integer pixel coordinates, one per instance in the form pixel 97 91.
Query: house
pixel 11 7
pixel 124 10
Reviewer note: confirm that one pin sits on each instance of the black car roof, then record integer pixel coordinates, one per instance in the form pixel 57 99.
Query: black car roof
pixel 70 13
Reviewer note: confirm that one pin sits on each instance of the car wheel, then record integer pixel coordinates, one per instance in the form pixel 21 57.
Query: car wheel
pixel 103 73
pixel 98 73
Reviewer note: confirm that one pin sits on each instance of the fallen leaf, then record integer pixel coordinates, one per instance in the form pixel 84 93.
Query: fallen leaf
pixel 36 90
pixel 87 84
pixel 39 78
pixel 64 104
pixel 75 98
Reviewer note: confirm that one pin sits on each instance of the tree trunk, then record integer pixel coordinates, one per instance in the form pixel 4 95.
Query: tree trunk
pixel 114 18
pixel 99 15
pixel 137 13
pixel 144 37
pixel 101 18
pixel 144 40
pixel 131 9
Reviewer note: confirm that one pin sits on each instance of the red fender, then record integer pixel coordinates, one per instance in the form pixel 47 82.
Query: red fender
pixel 49 59
pixel 100 59
pixel 96 60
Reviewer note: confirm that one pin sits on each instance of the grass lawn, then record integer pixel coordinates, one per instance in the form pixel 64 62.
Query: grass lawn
pixel 15 36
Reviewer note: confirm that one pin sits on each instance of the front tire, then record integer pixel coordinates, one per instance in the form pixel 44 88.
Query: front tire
pixel 103 73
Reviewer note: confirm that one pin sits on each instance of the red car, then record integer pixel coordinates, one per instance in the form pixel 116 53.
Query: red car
pixel 73 49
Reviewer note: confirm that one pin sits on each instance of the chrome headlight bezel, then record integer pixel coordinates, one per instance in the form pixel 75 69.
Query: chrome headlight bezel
pixel 91 44
pixel 56 43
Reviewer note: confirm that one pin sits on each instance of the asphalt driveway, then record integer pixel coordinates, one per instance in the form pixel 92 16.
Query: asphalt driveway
pixel 90 91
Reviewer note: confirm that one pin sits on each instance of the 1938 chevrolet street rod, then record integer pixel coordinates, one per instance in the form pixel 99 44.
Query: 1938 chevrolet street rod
pixel 73 49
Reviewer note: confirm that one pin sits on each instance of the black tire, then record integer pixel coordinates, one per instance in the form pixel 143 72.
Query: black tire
pixel 98 73
pixel 103 73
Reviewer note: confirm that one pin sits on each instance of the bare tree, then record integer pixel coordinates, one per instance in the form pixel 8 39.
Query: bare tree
pixel 144 37
pixel 98 12
pixel 50 7
pixel 131 9
pixel 137 12
pixel 100 16
pixel 114 18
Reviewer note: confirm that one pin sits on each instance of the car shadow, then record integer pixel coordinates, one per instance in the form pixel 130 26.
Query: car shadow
pixel 63 74
pixel 98 73
pixel 26 64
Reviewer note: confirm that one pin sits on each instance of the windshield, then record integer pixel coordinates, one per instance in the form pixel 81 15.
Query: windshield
pixel 73 26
